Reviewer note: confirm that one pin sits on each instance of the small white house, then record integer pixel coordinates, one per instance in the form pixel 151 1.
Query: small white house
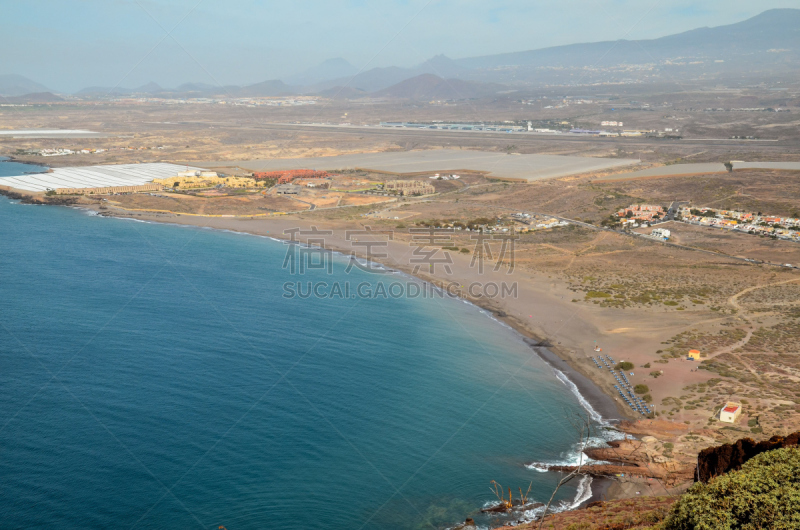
pixel 661 233
pixel 730 412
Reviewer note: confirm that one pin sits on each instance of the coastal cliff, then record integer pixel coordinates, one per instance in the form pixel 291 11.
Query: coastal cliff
pixel 749 470
pixel 715 461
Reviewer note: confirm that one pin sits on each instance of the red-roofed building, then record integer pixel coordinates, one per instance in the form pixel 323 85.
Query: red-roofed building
pixel 641 212
pixel 730 412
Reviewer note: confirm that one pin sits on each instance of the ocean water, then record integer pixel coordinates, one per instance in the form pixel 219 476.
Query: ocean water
pixel 153 376
pixel 9 168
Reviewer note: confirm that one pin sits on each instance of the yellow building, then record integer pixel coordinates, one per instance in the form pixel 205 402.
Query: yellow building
pixel 109 190
pixel 207 180
pixel 694 355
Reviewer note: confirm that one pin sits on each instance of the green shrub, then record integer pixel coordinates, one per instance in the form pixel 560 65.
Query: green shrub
pixel 624 365
pixel 765 493
pixel 670 302
pixel 646 365
pixel 641 389
pixel 597 294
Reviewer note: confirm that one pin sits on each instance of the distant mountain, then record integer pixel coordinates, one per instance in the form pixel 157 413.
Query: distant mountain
pixel 769 42
pixel 330 69
pixel 149 88
pixel 442 66
pixel 368 81
pixel 376 79
pixel 203 88
pixel 37 97
pixel 766 41
pixel 433 87
pixel 766 44
pixel 17 85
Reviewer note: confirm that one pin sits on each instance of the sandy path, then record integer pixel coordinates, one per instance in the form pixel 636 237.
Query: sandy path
pixel 734 300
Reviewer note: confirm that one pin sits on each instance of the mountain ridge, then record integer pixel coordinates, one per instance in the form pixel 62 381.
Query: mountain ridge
pixel 763 44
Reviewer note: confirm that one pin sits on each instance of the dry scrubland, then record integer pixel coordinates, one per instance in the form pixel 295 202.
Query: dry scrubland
pixel 743 317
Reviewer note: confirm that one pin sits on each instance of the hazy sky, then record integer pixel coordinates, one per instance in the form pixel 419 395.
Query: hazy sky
pixel 70 44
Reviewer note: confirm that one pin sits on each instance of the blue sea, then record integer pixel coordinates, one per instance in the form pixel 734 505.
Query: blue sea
pixel 9 168
pixel 154 376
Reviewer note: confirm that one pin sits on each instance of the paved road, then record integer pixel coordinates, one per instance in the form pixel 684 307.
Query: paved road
pixel 674 207
pixel 313 206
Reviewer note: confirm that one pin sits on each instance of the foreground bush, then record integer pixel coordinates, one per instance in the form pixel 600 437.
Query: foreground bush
pixel 765 493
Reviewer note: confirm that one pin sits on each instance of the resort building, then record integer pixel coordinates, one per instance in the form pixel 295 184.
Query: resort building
pixel 693 355
pixel 109 190
pixel 730 412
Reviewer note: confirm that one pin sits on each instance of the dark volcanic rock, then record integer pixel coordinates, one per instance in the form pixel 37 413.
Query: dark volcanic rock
pixel 716 461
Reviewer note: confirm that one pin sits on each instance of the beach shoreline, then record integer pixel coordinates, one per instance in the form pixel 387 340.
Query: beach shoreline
pixel 600 406
pixel 552 354
pixel 546 346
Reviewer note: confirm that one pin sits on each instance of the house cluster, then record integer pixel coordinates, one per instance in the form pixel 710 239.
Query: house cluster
pixel 437 176
pixel 59 151
pixel 641 212
pixel 768 225
pixel 62 151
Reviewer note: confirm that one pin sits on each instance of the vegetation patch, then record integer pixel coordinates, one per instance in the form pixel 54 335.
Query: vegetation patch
pixel 765 493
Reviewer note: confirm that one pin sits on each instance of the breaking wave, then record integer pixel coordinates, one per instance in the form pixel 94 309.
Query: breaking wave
pixel 585 404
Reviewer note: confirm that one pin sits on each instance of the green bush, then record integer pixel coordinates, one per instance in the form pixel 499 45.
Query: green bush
pixel 597 294
pixel 641 389
pixel 765 493
pixel 624 365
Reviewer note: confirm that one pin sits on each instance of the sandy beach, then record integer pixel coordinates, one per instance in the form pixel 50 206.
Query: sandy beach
pixel 541 309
